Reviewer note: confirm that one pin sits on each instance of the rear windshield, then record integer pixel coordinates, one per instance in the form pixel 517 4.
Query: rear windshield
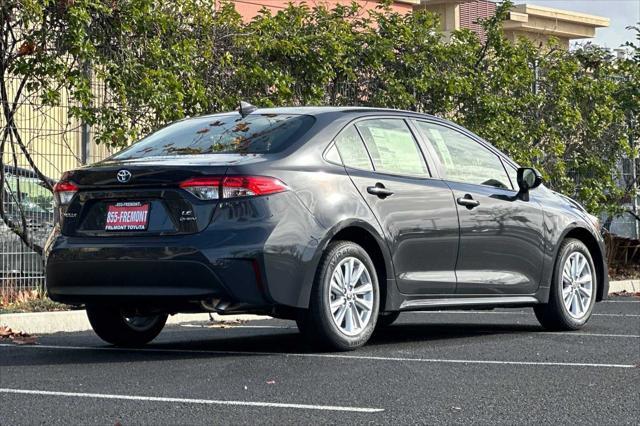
pixel 225 133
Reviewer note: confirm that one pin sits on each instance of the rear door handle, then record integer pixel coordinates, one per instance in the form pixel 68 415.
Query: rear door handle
pixel 379 190
pixel 468 201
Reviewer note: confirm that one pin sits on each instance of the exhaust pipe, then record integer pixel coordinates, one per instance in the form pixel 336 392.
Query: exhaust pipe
pixel 220 306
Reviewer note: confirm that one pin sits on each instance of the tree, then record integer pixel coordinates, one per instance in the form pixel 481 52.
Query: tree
pixel 569 113
pixel 628 95
pixel 153 62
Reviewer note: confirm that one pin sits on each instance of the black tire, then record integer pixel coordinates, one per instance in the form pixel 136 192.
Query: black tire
pixel 385 319
pixel 301 322
pixel 318 324
pixel 554 315
pixel 112 326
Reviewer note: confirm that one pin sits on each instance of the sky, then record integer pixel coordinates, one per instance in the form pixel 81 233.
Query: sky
pixel 622 13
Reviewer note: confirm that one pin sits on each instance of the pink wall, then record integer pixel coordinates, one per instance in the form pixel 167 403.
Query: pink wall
pixel 470 13
pixel 249 8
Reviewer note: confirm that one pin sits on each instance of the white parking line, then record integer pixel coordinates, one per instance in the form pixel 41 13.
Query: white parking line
pixel 579 334
pixel 226 327
pixel 618 315
pixel 327 356
pixel 563 333
pixel 193 401
pixel 508 313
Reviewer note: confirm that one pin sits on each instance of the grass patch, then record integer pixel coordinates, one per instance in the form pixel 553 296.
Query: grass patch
pixel 12 301
pixel 43 304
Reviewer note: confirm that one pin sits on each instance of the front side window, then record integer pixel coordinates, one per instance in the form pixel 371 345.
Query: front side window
pixel 513 175
pixel 223 133
pixel 464 159
pixel 352 150
pixel 392 147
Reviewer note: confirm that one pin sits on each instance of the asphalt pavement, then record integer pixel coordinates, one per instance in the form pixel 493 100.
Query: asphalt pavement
pixel 430 367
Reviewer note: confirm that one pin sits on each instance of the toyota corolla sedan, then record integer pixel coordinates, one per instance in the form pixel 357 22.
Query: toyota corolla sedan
pixel 337 218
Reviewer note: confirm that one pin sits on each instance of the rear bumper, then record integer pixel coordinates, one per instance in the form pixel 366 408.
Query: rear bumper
pixel 250 262
pixel 149 273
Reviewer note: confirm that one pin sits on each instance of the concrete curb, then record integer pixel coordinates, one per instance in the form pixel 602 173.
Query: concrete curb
pixel 630 286
pixel 70 321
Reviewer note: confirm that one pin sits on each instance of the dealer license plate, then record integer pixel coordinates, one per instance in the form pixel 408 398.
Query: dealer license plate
pixel 127 216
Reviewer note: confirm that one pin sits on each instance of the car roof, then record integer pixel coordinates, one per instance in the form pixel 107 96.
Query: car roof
pixel 317 110
pixel 322 110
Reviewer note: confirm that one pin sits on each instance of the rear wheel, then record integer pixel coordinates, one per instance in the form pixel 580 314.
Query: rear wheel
pixel 573 290
pixel 345 297
pixel 120 328
pixel 301 322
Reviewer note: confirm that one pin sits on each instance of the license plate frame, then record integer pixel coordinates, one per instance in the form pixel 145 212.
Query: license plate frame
pixel 127 216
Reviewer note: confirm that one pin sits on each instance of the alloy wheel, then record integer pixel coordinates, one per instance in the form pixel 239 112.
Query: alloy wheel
pixel 577 285
pixel 140 323
pixel 351 296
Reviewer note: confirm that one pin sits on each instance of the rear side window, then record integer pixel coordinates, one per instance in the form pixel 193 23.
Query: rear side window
pixel 392 147
pixel 332 155
pixel 464 159
pixel 224 133
pixel 352 150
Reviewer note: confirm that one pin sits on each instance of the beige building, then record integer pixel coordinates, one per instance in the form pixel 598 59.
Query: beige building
pixel 536 23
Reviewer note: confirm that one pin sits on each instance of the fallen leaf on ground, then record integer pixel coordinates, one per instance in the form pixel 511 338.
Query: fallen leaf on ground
pixel 24 340
pixel 226 324
pixel 625 293
pixel 17 337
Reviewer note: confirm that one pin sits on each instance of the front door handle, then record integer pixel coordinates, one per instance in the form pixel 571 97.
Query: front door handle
pixel 379 190
pixel 468 201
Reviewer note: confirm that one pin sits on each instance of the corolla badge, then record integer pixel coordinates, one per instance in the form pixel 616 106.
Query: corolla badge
pixel 123 176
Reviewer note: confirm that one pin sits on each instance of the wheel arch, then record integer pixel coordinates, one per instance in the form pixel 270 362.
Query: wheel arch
pixel 369 239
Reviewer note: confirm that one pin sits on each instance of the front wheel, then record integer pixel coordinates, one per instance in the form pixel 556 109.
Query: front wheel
pixel 344 300
pixel 115 326
pixel 573 290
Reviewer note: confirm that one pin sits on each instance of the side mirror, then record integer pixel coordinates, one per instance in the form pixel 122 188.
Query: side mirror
pixel 528 178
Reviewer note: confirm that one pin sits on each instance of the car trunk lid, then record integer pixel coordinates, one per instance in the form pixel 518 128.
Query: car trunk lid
pixel 143 197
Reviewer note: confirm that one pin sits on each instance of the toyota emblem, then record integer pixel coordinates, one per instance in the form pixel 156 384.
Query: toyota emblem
pixel 123 176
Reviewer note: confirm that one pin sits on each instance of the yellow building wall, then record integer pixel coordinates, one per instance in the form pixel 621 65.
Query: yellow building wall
pixel 53 139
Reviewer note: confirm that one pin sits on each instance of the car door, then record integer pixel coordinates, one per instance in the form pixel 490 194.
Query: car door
pixel 501 236
pixel 416 212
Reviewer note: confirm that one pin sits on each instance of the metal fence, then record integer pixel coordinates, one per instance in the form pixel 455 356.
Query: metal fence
pixel 56 143
pixel 627 225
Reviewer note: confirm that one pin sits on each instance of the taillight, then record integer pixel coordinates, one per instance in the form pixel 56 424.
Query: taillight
pixel 214 188
pixel 242 186
pixel 64 192
pixel 207 188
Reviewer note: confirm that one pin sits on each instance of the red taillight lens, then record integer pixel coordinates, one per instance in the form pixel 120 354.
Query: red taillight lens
pixel 242 186
pixel 64 192
pixel 214 188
